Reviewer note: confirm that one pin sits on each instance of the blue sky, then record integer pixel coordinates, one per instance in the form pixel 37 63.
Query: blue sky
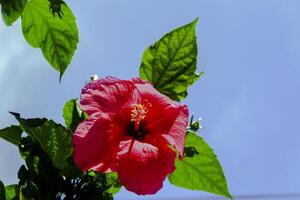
pixel 248 97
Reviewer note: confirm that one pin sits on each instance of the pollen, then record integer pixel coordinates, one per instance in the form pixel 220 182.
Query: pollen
pixel 138 113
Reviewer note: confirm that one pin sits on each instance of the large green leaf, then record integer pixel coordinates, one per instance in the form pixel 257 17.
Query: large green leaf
pixel 57 37
pixel 170 63
pixel 200 168
pixel 11 10
pixel 72 114
pixel 11 134
pixel 12 192
pixel 53 138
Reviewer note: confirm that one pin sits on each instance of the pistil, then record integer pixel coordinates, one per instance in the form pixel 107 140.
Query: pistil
pixel 138 113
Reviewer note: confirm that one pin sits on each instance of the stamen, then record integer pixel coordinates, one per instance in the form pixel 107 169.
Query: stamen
pixel 138 113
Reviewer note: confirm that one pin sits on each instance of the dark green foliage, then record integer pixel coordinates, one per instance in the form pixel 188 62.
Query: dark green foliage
pixel 39 170
pixel 29 191
pixel 90 186
pixel 40 176
pixel 2 191
pixel 49 171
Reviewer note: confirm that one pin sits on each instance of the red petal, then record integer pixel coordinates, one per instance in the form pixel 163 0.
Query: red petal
pixel 177 133
pixel 166 118
pixel 96 142
pixel 107 95
pixel 142 167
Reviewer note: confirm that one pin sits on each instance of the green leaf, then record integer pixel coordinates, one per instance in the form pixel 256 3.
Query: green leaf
pixel 72 114
pixel 11 10
pixel 53 138
pixel 71 170
pixel 57 37
pixel 12 192
pixel 203 166
pixel 113 182
pixel 170 63
pixel 32 163
pixel 11 134
pixel 24 174
pixel 2 191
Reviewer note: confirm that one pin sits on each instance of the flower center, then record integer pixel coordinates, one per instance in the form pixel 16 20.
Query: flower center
pixel 138 114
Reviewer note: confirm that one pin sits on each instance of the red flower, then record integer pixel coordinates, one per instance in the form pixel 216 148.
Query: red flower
pixel 130 130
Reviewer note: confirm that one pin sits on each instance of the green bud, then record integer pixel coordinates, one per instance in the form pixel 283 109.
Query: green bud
pixel 195 125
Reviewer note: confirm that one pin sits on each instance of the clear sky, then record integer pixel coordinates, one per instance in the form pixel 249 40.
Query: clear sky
pixel 248 97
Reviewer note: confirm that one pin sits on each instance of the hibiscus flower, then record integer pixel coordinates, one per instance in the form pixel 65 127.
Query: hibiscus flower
pixel 133 130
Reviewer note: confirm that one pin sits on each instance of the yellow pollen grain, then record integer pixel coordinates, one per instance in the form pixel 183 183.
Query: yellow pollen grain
pixel 138 113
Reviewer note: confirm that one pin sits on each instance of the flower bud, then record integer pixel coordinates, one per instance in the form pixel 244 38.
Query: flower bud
pixel 196 125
